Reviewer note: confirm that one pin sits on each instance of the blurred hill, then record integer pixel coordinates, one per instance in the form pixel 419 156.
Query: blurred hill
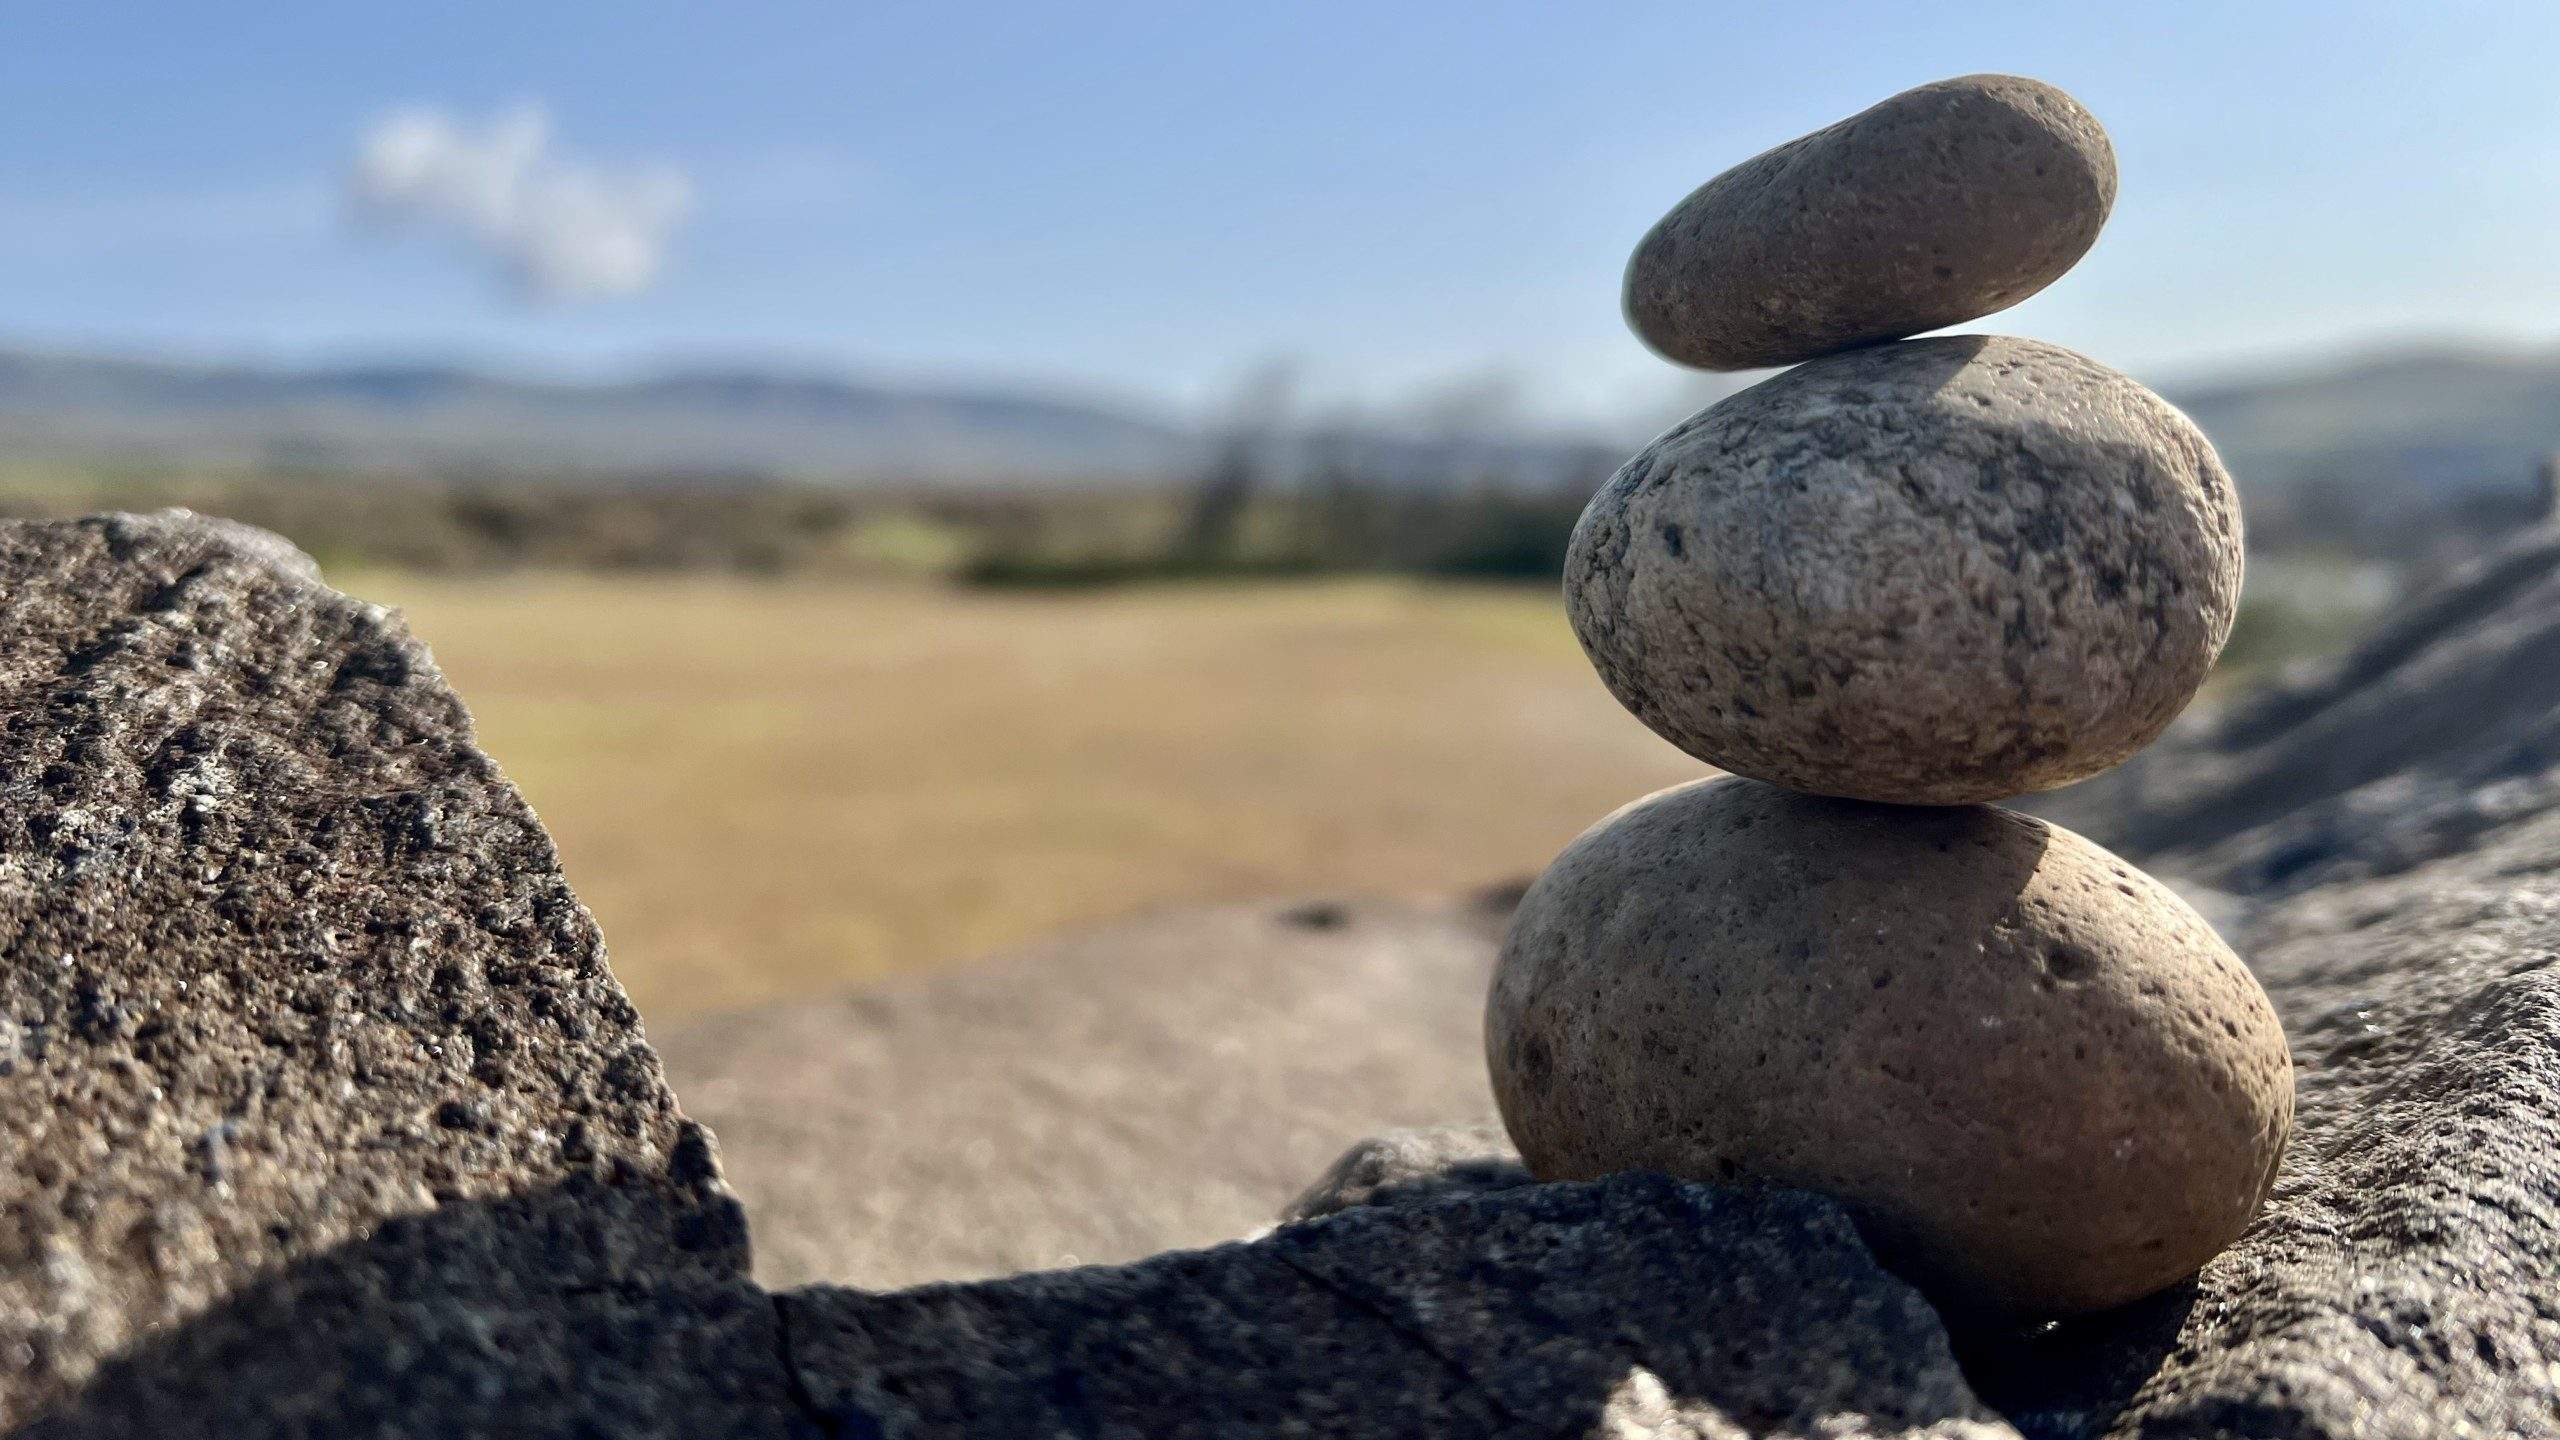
pixel 2364 451
pixel 2377 453
pixel 746 423
pixel 742 424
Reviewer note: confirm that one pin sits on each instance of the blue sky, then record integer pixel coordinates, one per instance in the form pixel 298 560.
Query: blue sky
pixel 1146 199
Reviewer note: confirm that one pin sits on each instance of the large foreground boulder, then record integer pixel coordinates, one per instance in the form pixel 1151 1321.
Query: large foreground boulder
pixel 317 1100
pixel 321 1115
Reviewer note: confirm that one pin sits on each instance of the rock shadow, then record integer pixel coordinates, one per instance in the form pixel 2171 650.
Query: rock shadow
pixel 1554 1309
pixel 575 1310
pixel 1635 1305
pixel 2073 1378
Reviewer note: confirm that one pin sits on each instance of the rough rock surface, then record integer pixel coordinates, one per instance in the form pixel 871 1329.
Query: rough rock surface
pixel 2399 1282
pixel 1932 572
pixel 2437 731
pixel 316 1097
pixel 2038 1079
pixel 1638 1307
pixel 1935 207
pixel 462 1271
pixel 1153 1085
pixel 320 1114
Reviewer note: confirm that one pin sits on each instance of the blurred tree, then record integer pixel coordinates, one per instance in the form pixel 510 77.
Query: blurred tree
pixel 1246 446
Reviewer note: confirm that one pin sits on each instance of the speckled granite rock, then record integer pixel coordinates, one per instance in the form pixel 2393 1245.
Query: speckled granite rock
pixel 1638 1307
pixel 1937 206
pixel 1928 573
pixel 319 1109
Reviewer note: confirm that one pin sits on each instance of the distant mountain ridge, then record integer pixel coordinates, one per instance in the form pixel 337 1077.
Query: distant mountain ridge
pixel 2388 435
pixel 744 422
pixel 2384 434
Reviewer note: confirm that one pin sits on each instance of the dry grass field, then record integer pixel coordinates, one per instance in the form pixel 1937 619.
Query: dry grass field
pixel 769 789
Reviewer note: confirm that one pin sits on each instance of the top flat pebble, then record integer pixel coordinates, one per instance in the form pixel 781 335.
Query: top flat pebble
pixel 1940 205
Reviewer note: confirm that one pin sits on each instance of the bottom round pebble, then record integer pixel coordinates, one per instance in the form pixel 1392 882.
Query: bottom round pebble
pixel 2037 1079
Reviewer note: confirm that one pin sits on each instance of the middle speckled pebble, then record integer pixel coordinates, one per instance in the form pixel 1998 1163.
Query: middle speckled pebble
pixel 1930 572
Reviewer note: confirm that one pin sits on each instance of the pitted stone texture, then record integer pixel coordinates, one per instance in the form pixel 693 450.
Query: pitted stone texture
pixel 2398 1283
pixel 1933 572
pixel 1441 1162
pixel 1938 206
pixel 2039 1081
pixel 2391 833
pixel 1638 1307
pixel 292 985
pixel 2432 734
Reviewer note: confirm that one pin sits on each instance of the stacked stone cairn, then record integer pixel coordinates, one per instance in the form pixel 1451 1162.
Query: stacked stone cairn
pixel 1900 580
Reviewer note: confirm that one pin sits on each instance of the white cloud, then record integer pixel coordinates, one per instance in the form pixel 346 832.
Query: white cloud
pixel 558 228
